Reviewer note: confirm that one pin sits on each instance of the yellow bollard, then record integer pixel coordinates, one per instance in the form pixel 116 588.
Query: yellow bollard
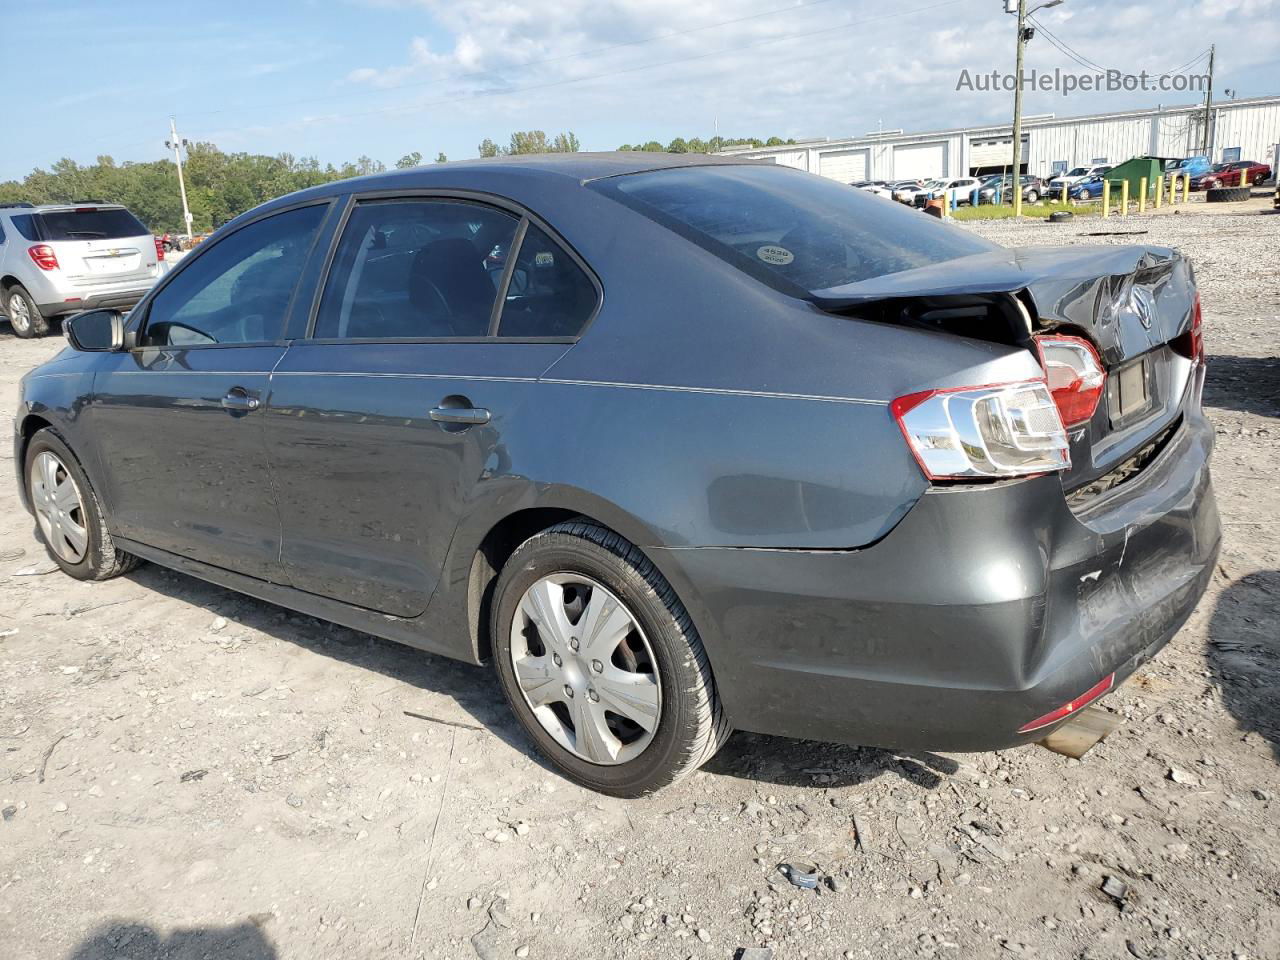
pixel 1244 177
pixel 1124 198
pixel 1173 190
pixel 1159 190
pixel 1142 197
pixel 1186 189
pixel 1064 193
pixel 1106 198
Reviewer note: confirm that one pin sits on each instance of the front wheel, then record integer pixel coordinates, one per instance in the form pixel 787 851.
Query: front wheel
pixel 1032 196
pixel 24 315
pixel 68 516
pixel 601 664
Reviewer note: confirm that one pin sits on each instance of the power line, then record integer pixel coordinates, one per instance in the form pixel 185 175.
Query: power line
pixel 1084 61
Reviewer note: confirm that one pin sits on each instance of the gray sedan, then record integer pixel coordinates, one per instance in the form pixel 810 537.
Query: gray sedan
pixel 678 445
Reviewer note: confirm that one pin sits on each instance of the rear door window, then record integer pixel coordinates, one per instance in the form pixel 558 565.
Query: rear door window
pixel 796 232
pixel 89 223
pixel 414 269
pixel 549 295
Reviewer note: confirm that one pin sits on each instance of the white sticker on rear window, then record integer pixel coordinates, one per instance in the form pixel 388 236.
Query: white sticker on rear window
pixel 772 253
pixel 544 258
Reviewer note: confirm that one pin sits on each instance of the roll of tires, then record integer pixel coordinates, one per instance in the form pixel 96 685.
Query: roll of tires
pixel 1227 194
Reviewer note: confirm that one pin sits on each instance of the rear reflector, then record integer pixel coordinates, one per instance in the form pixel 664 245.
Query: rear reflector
pixel 1071 706
pixel 1075 376
pixel 998 430
pixel 43 256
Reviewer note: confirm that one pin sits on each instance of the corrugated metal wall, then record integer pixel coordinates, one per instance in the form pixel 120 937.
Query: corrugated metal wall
pixel 1177 132
pixel 1256 132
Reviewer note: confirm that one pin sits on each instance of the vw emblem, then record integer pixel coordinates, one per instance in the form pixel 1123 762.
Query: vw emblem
pixel 1142 307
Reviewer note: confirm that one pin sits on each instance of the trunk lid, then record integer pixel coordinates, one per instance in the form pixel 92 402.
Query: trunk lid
pixel 1131 302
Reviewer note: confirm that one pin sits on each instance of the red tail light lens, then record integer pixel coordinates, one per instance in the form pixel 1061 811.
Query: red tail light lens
pixel 1191 343
pixel 999 430
pixel 1076 377
pixel 43 256
pixel 159 248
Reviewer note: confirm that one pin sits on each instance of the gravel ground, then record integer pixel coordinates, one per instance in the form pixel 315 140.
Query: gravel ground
pixel 185 772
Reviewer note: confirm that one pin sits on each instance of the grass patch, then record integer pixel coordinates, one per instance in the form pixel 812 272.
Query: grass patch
pixel 1004 211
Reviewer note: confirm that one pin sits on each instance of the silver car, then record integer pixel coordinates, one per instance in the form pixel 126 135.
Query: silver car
pixel 58 259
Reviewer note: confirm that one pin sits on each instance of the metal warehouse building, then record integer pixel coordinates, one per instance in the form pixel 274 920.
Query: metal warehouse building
pixel 1239 130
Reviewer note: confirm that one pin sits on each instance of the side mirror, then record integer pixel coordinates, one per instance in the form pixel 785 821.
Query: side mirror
pixel 95 331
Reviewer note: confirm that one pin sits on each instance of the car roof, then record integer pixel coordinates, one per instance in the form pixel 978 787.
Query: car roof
pixel 583 167
pixel 57 207
pixel 503 175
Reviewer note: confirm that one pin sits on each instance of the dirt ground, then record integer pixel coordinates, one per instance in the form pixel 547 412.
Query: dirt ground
pixel 188 773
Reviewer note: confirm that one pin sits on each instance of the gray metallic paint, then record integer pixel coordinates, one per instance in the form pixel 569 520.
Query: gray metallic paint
pixel 738 435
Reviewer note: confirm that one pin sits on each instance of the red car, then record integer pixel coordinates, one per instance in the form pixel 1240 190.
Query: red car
pixel 1228 175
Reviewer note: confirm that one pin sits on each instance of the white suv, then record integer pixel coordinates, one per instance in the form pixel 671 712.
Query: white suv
pixel 57 259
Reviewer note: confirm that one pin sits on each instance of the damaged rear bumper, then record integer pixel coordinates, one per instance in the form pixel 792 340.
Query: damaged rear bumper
pixel 985 608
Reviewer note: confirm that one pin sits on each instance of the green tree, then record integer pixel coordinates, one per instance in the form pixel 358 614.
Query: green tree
pixel 565 143
pixel 528 141
pixel 678 145
pixel 409 160
pixel 697 145
pixel 488 148
pixel 441 158
pixel 653 146
pixel 625 148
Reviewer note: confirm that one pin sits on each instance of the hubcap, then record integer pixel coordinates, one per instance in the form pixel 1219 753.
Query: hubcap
pixel 19 315
pixel 59 509
pixel 586 669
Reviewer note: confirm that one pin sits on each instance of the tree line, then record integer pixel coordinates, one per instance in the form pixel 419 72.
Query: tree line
pixel 221 185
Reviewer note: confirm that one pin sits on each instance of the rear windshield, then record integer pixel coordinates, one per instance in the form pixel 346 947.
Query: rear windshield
pixel 796 232
pixel 89 224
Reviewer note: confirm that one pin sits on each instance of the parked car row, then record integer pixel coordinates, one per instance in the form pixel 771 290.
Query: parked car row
pixel 1228 174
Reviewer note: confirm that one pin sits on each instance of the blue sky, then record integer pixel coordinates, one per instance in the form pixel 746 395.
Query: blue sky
pixel 342 78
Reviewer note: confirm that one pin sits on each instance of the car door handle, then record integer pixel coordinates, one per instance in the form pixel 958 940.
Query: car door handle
pixel 460 415
pixel 239 401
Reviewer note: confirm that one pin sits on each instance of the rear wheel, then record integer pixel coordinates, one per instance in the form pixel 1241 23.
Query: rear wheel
pixel 24 315
pixel 68 516
pixel 601 663
pixel 1033 196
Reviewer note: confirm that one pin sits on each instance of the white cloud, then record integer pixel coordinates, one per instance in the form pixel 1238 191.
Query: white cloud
pixel 827 68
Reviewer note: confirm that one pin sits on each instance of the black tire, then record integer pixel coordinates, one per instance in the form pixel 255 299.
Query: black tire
pixel 1032 196
pixel 102 560
pixel 691 725
pixel 1061 216
pixel 1227 194
pixel 18 302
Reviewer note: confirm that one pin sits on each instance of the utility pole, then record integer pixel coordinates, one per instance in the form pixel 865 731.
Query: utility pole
pixel 1024 34
pixel 176 145
pixel 1016 181
pixel 1208 102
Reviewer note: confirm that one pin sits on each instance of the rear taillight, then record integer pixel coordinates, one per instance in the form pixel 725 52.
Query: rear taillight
pixel 1191 343
pixel 1000 430
pixel 1075 375
pixel 43 256
pixel 159 248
